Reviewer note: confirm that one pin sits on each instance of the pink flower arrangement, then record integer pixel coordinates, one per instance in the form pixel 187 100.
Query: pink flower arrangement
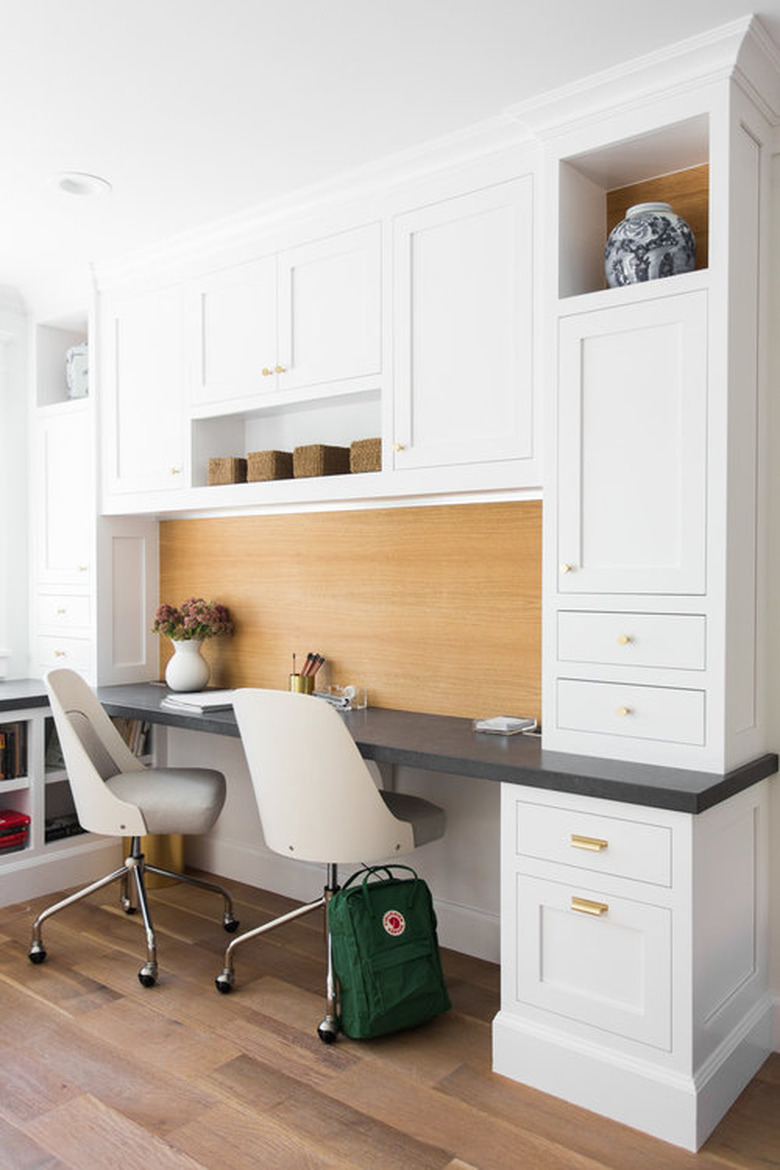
pixel 194 618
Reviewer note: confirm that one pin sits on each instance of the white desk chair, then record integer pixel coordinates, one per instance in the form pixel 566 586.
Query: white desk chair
pixel 116 795
pixel 318 802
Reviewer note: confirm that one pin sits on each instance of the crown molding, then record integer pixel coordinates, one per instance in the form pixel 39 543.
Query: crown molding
pixel 469 144
pixel 668 72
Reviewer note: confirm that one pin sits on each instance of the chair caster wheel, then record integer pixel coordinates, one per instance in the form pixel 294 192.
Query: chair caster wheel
pixel 231 925
pixel 147 976
pixel 224 982
pixel 327 1032
pixel 36 954
pixel 129 908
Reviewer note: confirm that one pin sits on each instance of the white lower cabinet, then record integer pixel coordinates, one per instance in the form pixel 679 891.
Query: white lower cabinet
pixel 633 955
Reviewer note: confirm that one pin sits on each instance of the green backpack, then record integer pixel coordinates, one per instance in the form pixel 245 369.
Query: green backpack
pixel 385 953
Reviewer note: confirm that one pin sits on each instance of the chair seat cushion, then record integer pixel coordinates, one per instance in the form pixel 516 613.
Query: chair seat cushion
pixel 428 821
pixel 173 800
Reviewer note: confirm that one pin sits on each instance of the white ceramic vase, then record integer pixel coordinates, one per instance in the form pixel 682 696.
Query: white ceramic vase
pixel 187 670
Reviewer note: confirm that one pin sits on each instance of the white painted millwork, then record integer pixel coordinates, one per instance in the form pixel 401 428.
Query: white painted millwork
pixel 672 641
pixel 299 318
pixel 632 441
pixel 142 391
pixel 619 989
pixel 463 342
pixel 64 470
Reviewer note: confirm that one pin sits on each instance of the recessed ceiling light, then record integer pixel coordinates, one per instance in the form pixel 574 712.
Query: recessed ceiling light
pixel 79 183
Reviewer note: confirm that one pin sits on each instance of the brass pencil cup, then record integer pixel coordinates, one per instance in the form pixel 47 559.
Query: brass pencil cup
pixel 302 683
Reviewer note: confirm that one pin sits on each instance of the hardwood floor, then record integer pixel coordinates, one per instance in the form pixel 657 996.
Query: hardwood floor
pixel 98 1072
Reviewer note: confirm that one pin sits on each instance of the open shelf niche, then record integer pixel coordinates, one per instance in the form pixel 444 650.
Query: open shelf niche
pixel 597 187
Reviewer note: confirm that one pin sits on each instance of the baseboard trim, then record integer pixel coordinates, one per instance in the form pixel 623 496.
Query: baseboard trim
pixel 676 1107
pixel 460 928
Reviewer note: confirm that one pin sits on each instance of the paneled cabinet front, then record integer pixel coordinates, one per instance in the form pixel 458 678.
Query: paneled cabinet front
pixel 64 517
pixel 462 322
pixel 632 436
pixel 302 317
pixel 144 421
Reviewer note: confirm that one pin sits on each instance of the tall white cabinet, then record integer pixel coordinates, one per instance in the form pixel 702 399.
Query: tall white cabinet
pixel 634 976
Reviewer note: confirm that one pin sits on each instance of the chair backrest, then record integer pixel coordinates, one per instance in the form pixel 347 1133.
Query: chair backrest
pixel 316 797
pixel 93 750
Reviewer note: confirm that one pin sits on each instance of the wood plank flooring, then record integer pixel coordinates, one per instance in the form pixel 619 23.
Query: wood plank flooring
pixel 98 1072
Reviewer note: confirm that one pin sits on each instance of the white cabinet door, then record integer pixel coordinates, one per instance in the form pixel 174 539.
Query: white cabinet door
pixel 231 332
pixel 144 437
pixel 463 329
pixel 329 309
pixel 66 509
pixel 632 435
pixel 596 958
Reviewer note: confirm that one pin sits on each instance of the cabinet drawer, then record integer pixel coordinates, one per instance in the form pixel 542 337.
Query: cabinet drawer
pixel 669 714
pixel 62 610
pixel 671 641
pixel 595 843
pixel 73 652
pixel 606 964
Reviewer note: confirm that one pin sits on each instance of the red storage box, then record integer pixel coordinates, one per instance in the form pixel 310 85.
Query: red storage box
pixel 14 827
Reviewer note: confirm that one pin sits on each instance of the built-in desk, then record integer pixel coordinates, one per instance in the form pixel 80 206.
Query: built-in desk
pixel 441 743
pixel 633 913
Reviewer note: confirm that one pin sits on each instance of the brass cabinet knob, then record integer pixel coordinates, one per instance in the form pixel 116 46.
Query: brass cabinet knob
pixel 81 568
pixel 280 369
pixel 624 711
pixel 399 446
pixel 266 372
pixel 623 639
pixel 175 471
pixel 566 568
pixel 61 609
pixel 60 654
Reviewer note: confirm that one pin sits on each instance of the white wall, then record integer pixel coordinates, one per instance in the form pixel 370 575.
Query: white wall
pixel 773 593
pixel 14 592
pixel 462 868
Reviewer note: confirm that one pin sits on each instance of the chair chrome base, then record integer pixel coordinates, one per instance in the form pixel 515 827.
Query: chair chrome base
pixel 327 1030
pixel 136 865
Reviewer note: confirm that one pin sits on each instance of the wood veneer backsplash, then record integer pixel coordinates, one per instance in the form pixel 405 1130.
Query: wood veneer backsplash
pixel 433 609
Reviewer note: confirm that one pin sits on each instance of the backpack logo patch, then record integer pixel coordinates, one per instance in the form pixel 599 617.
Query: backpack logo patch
pixel 394 922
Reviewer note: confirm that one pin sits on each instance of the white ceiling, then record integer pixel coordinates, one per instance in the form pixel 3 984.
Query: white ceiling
pixel 199 109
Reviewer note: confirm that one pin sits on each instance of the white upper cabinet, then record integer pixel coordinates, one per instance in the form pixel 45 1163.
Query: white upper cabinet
pixel 65 512
pixel 299 318
pixel 462 327
pixel 329 309
pixel 231 332
pixel 144 420
pixel 632 440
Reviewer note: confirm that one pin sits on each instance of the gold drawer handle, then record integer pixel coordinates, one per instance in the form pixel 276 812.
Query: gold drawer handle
pixel 585 906
pixel 61 609
pixel 624 711
pixel 280 369
pixel 566 567
pixel 399 446
pixel 624 639
pixel 60 654
pixel 594 844
pixel 266 372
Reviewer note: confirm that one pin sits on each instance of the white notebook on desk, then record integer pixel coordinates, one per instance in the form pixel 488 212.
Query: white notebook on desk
pixel 199 700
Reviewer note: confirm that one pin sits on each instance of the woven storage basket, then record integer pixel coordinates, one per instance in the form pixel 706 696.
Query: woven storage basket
pixel 318 459
pixel 365 455
pixel 265 465
pixel 228 470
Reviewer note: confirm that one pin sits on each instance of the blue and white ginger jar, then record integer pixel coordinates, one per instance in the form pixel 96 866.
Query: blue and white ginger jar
pixel 651 242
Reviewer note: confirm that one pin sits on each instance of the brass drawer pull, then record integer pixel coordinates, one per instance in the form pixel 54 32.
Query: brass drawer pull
pixel 594 844
pixel 585 906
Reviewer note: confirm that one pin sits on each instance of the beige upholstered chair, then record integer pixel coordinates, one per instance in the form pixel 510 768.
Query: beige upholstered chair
pixel 116 795
pixel 318 802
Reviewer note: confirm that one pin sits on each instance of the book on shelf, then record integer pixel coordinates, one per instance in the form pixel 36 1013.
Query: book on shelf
pixel 13 750
pixel 135 732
